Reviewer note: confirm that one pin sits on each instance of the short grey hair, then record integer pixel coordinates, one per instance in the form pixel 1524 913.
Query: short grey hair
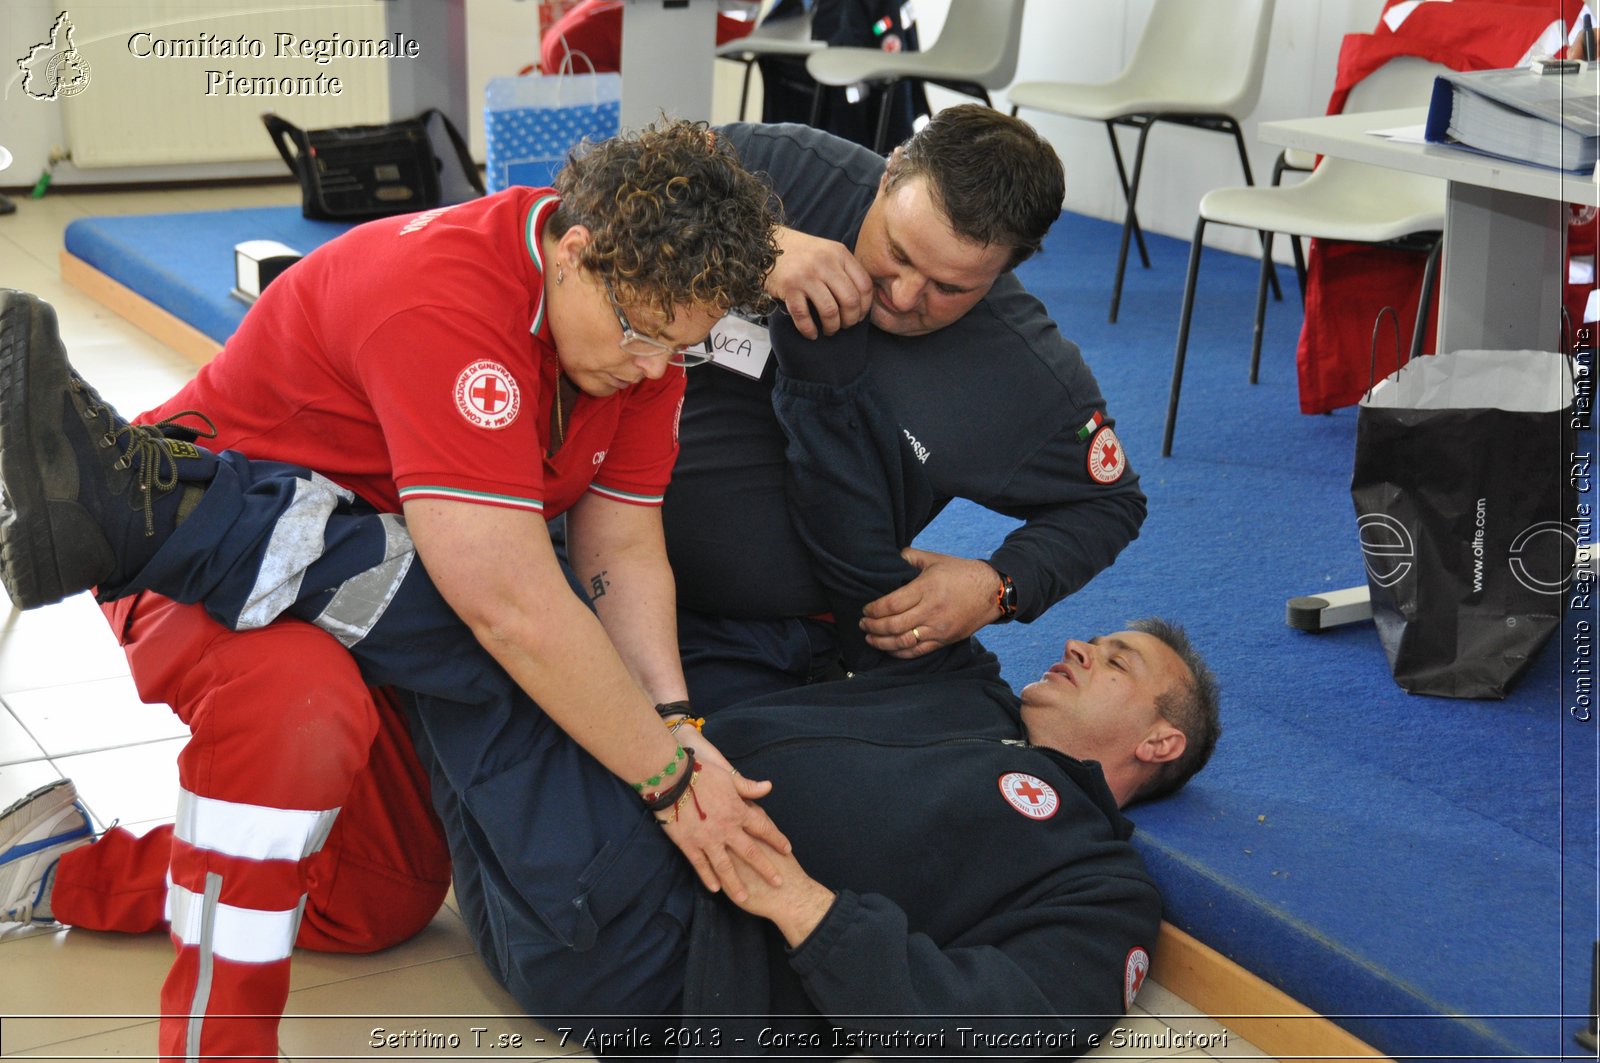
pixel 1193 707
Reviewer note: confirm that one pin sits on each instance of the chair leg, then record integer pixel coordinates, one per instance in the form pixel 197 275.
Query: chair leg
pixel 1129 220
pixel 1272 278
pixel 1250 179
pixel 885 108
pixel 1430 277
pixel 1183 336
pixel 1279 168
pixel 815 121
pixel 744 91
pixel 1244 157
pixel 1261 306
pixel 1299 267
pixel 1122 178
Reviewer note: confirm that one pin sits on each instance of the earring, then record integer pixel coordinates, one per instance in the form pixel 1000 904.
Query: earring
pixel 561 274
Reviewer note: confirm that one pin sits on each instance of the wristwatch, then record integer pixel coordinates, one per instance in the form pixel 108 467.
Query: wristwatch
pixel 1006 599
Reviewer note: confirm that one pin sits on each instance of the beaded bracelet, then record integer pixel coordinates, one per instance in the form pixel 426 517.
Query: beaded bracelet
pixel 657 800
pixel 655 780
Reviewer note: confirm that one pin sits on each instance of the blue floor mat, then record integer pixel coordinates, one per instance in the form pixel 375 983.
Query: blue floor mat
pixel 183 263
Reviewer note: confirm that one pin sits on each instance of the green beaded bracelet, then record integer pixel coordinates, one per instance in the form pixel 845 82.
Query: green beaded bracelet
pixel 655 780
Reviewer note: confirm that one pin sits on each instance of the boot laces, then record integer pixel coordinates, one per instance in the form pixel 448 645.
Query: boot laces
pixel 157 472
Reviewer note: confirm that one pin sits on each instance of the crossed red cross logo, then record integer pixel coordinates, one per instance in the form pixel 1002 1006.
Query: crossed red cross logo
pixel 1133 975
pixel 1106 461
pixel 1027 790
pixel 487 395
pixel 1029 794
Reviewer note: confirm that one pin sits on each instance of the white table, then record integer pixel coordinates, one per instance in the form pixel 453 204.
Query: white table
pixel 1504 262
pixel 1505 226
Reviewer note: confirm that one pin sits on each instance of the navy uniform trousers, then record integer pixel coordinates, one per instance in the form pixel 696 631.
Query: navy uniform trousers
pixel 575 897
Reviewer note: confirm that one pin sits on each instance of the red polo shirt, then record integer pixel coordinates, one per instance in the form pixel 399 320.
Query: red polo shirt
pixel 411 358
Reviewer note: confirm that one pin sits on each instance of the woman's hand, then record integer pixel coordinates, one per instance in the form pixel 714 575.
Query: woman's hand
pixel 717 822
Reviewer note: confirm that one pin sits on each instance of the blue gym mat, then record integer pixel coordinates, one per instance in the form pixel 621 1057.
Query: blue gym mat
pixel 183 263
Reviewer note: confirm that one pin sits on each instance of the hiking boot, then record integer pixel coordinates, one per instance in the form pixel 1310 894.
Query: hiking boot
pixel 34 833
pixel 88 497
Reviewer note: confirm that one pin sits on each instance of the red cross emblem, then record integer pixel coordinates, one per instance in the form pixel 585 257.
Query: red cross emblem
pixel 1106 459
pixel 1029 794
pixel 487 395
pixel 1133 975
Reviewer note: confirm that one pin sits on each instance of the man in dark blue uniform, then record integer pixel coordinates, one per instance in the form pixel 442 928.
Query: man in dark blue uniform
pixel 958 380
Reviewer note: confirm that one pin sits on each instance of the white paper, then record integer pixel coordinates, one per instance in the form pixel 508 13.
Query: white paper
pixel 1519 381
pixel 1401 134
pixel 740 345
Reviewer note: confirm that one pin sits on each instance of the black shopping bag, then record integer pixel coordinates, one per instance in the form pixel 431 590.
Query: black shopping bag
pixel 1463 501
pixel 351 173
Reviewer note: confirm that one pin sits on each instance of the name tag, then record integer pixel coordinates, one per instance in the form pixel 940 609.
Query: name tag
pixel 741 346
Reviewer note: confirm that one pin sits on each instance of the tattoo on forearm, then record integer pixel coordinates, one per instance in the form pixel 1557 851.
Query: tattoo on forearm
pixel 598 585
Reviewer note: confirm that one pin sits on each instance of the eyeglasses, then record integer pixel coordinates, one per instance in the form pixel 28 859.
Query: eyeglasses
pixel 645 347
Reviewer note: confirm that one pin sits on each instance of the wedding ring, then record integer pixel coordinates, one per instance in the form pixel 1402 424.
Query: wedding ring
pixel 916 634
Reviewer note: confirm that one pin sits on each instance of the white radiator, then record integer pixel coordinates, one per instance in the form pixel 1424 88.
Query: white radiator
pixel 172 82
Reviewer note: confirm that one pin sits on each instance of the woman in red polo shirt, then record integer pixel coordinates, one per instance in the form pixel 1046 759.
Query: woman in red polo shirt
pixel 476 369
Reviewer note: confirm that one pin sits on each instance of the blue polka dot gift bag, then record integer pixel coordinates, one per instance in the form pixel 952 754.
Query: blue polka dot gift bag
pixel 532 123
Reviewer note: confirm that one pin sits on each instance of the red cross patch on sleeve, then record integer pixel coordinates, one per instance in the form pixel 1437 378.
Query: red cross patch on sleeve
pixel 1133 975
pixel 1029 794
pixel 487 395
pixel 1106 460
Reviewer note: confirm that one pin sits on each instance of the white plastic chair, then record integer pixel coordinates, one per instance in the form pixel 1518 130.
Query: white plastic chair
pixel 1198 63
pixel 1339 200
pixel 976 52
pixel 790 36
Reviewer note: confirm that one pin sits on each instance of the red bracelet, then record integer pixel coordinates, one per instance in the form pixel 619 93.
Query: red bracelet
pixel 688 793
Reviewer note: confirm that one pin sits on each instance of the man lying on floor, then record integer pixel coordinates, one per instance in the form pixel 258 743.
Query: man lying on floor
pixel 960 881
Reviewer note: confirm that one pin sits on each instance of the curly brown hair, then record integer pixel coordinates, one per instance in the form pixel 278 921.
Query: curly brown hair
pixel 673 218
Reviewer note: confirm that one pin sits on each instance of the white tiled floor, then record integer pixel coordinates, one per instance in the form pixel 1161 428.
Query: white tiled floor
pixel 68 708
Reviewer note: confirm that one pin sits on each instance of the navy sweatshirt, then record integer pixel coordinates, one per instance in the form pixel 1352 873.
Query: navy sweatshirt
pixel 989 409
pixel 982 883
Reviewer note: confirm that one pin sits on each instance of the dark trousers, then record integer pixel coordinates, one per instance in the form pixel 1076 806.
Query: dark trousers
pixel 576 899
pixel 727 660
